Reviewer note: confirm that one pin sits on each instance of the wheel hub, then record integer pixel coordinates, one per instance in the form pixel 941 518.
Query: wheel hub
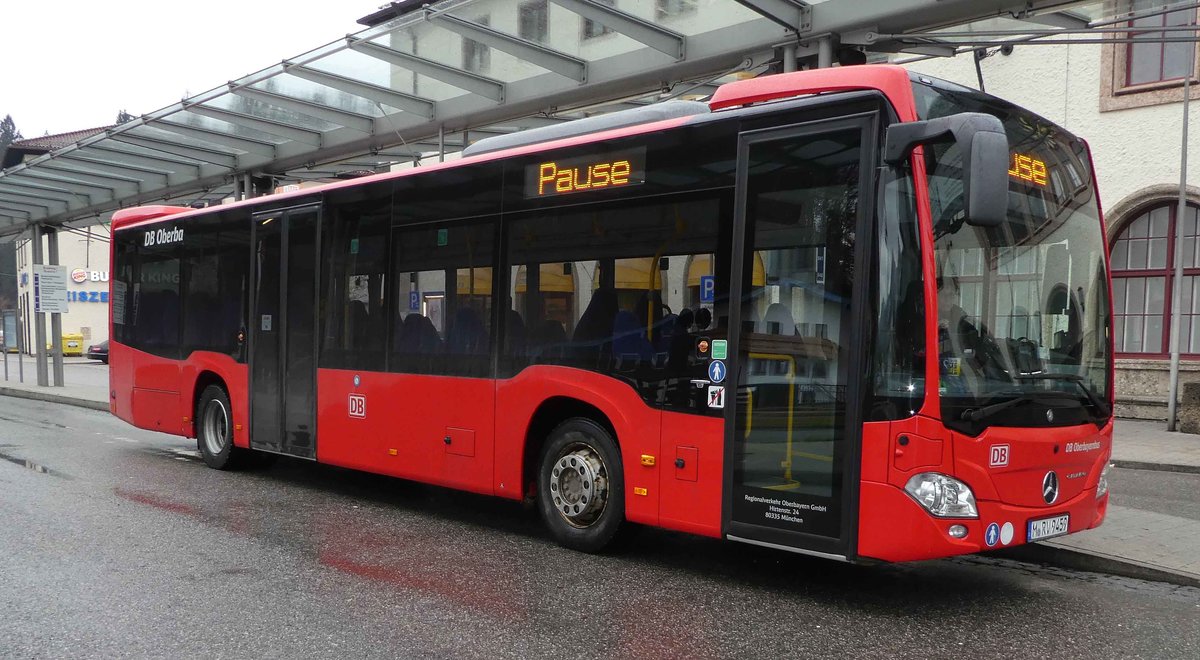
pixel 579 486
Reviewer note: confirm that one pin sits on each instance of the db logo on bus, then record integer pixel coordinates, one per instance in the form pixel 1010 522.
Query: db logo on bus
pixel 358 405
pixel 999 456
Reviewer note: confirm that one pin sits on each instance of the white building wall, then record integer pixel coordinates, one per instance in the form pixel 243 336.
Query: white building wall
pixel 87 314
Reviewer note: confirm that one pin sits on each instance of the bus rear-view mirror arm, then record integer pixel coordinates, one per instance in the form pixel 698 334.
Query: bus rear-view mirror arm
pixel 985 150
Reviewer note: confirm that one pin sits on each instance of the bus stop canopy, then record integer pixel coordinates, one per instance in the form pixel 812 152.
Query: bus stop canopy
pixel 429 79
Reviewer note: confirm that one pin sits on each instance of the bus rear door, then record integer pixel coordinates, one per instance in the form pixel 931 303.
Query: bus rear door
pixel 283 346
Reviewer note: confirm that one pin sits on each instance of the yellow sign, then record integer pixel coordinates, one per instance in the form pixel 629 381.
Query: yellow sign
pixel 582 174
pixel 1028 168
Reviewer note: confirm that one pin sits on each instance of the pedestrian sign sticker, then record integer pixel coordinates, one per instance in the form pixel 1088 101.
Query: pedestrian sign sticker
pixel 716 371
pixel 992 535
pixel 707 288
pixel 716 396
pixel 720 349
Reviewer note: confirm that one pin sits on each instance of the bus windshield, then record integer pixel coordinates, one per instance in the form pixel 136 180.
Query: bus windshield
pixel 1023 310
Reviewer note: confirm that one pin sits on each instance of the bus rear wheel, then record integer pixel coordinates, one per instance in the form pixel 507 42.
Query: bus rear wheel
pixel 581 488
pixel 214 429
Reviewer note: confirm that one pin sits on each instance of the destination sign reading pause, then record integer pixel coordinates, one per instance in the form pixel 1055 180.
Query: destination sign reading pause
pixel 585 173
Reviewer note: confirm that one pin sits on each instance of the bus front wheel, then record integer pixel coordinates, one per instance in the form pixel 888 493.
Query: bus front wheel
pixel 581 489
pixel 214 429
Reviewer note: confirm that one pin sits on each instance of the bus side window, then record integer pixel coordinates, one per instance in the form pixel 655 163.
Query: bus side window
pixel 355 289
pixel 443 299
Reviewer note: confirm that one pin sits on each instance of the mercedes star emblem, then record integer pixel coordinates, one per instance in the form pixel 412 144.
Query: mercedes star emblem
pixel 1049 415
pixel 1050 487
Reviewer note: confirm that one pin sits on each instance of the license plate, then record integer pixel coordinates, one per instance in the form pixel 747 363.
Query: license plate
pixel 1047 527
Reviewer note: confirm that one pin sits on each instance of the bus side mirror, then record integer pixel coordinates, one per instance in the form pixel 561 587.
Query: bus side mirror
pixel 985 154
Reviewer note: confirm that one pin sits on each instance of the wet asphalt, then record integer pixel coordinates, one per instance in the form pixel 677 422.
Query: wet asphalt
pixel 116 542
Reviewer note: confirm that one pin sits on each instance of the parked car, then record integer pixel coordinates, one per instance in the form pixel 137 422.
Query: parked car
pixel 99 351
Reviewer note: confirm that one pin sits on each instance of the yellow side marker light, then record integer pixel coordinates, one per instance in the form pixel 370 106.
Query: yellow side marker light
pixel 640 491
pixel 647 460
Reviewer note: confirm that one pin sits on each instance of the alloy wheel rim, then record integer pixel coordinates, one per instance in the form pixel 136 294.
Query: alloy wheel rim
pixel 579 485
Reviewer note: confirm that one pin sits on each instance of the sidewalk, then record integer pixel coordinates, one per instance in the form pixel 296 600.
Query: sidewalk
pixel 1131 542
pixel 1150 446
pixel 84 396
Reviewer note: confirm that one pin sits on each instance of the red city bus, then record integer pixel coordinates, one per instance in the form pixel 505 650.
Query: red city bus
pixel 857 313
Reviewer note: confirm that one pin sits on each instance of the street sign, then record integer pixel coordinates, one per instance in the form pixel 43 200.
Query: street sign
pixel 49 289
pixel 708 287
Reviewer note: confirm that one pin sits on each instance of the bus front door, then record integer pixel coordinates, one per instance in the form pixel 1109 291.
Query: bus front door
pixel 791 436
pixel 282 332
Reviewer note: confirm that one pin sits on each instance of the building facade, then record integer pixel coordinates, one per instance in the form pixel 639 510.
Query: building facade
pixel 84 252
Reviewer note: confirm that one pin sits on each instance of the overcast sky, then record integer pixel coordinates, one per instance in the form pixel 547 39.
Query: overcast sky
pixel 67 65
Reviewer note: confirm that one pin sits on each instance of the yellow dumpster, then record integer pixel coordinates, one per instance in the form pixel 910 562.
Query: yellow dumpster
pixel 72 344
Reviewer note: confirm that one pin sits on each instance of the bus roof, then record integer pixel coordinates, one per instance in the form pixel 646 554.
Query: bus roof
pixel 893 81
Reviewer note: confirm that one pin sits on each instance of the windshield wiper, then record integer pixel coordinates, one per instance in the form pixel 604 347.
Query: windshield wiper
pixel 976 414
pixel 1078 380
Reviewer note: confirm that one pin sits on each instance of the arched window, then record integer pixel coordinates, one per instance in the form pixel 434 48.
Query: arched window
pixel 1143 283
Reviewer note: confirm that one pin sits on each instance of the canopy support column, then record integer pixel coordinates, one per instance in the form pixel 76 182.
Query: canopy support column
pixel 39 320
pixel 825 52
pixel 55 318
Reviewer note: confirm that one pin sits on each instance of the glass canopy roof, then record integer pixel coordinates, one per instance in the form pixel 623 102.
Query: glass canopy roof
pixel 435 78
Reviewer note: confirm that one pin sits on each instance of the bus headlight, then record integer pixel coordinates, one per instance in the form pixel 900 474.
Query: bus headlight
pixel 943 496
pixel 1102 485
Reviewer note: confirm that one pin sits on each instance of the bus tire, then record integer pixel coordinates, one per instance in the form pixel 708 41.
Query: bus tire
pixel 581 488
pixel 214 430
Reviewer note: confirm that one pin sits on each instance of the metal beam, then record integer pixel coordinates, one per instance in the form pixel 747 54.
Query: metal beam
pixel 202 154
pixel 453 76
pixel 421 107
pixel 534 53
pixel 268 126
pixel 121 169
pixel 135 158
pixel 51 177
pixel 640 30
pixel 358 122
pixel 249 145
pixel 65 194
pixel 92 175
pixel 30 201
pixel 30 180
pixel 1059 19
pixel 12 209
pixel 795 16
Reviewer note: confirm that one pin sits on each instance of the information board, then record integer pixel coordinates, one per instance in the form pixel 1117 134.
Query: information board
pixel 49 289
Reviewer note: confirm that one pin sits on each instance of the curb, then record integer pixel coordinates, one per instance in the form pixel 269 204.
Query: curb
pixel 1096 563
pixel 54 398
pixel 1157 467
